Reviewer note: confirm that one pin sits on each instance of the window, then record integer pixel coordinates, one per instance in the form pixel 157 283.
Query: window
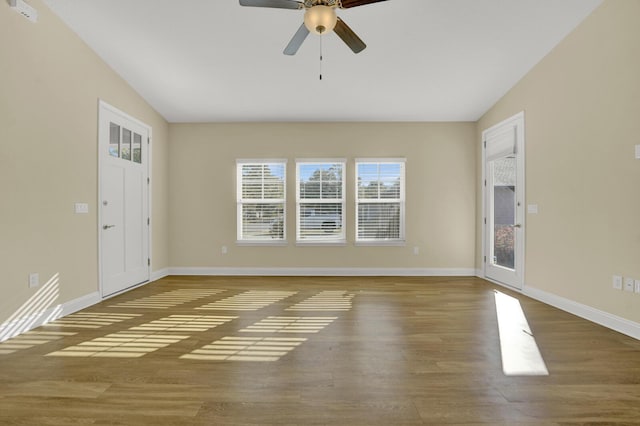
pixel 261 200
pixel 320 201
pixel 120 143
pixel 380 200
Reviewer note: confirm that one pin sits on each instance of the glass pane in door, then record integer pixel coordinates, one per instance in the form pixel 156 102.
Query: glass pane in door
pixel 126 144
pixel 137 148
pixel 114 140
pixel 504 211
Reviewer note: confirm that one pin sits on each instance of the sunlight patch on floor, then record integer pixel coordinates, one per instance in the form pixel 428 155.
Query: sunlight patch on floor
pixel 30 339
pixel 248 301
pixel 328 300
pixel 257 349
pixel 91 320
pixel 290 325
pixel 184 323
pixel 142 339
pixel 168 299
pixel 123 344
pixel 520 353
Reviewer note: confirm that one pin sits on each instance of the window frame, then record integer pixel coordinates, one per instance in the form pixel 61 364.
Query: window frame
pixel 401 240
pixel 340 239
pixel 240 201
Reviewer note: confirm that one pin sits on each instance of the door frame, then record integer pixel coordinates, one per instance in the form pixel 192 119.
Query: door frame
pixel 518 120
pixel 102 105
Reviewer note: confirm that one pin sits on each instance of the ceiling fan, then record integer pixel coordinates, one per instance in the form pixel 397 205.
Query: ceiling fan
pixel 320 17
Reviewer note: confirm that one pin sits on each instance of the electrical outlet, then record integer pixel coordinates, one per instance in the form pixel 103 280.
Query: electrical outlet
pixel 617 282
pixel 637 286
pixel 224 250
pixel 34 280
pixel 416 250
pixel 628 284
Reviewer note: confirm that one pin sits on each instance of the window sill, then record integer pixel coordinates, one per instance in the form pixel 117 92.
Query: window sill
pixel 382 243
pixel 336 243
pixel 260 243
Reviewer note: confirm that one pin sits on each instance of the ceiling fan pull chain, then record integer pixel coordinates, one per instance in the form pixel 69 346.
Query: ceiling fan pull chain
pixel 320 56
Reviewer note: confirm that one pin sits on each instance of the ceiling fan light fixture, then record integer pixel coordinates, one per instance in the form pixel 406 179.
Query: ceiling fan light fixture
pixel 320 19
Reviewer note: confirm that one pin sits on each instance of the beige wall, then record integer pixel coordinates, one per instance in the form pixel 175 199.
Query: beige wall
pixel 50 83
pixel 582 120
pixel 440 206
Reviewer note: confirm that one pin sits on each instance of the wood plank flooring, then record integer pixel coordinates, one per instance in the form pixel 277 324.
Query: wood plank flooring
pixel 313 351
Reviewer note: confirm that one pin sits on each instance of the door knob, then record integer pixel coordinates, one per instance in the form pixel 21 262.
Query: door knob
pixel 517 225
pixel 108 226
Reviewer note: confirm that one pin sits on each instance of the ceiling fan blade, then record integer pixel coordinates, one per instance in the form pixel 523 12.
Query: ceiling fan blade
pixel 296 41
pixel 349 37
pixel 278 4
pixel 346 4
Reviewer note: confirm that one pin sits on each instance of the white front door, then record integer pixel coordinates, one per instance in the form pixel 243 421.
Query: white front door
pixel 504 202
pixel 123 144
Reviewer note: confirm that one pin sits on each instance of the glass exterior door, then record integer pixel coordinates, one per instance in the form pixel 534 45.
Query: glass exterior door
pixel 503 212
pixel 504 202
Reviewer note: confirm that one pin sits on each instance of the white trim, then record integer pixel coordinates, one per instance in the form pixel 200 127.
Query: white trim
pixel 401 200
pixel 51 314
pixel 326 272
pixel 479 273
pixel 102 105
pixel 262 243
pixel 320 243
pixel 380 243
pixel 381 160
pixel 320 160
pixel 159 274
pixel 240 201
pixel 261 160
pixel 519 121
pixel 126 290
pixel 342 201
pixel 150 200
pixel 605 319
pixel 115 110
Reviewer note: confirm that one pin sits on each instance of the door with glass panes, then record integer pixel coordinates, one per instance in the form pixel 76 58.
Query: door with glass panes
pixel 504 202
pixel 124 200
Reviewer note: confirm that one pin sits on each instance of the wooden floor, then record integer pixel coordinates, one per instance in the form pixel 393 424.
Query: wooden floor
pixel 312 351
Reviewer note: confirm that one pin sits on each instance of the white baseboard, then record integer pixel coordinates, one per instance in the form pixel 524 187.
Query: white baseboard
pixel 480 273
pixel 328 272
pixel 605 319
pixel 159 274
pixel 33 320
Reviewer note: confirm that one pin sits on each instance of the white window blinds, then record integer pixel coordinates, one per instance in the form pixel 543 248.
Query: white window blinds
pixel 380 200
pixel 261 196
pixel 320 201
pixel 501 143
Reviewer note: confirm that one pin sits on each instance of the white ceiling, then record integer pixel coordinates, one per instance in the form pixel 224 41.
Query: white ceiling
pixel 426 60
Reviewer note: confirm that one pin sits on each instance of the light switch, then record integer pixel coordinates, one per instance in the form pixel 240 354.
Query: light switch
pixel 629 285
pixel 34 280
pixel 617 282
pixel 637 152
pixel 82 208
